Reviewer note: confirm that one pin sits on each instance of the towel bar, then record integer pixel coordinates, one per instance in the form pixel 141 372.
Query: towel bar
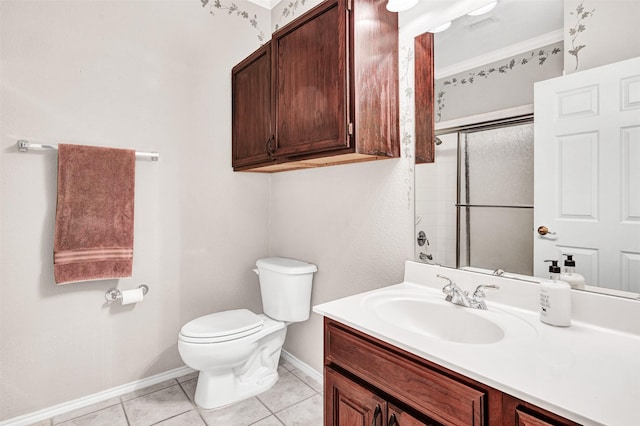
pixel 25 146
pixel 114 294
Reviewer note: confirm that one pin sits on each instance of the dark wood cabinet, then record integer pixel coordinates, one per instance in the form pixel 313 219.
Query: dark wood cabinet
pixel 333 88
pixel 369 382
pixel 252 131
pixel 311 83
pixel 405 380
pixel 521 413
pixel 424 99
pixel 348 404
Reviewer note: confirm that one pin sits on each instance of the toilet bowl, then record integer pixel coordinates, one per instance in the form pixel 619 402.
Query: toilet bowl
pixel 237 351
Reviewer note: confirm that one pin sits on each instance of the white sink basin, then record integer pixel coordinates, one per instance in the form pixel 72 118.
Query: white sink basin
pixel 432 316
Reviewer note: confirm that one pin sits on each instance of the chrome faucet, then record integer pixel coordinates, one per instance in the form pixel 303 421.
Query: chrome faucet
pixel 461 297
pixel 454 293
pixel 479 295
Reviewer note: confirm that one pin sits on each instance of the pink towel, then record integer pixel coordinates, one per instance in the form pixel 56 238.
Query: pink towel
pixel 94 215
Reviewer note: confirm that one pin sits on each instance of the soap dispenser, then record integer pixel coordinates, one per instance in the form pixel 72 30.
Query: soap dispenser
pixel 569 273
pixel 555 298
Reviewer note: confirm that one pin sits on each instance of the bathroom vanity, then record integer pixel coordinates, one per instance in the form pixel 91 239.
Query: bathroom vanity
pixel 402 355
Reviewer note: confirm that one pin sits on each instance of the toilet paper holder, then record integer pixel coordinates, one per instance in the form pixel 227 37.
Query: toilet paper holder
pixel 114 294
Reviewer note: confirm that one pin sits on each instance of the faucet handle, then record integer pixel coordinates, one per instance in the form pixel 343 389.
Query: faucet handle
pixel 447 289
pixel 479 292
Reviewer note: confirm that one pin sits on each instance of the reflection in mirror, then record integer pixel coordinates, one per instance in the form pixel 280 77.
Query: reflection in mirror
pixel 474 203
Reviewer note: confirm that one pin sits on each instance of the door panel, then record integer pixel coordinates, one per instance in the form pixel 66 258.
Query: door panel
pixel 349 404
pixel 311 83
pixel 251 109
pixel 587 180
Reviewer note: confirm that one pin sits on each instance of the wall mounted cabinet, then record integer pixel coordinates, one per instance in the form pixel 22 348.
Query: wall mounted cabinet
pixel 333 88
pixel 370 382
pixel 251 109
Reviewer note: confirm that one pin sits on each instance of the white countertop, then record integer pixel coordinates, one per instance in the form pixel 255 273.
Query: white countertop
pixel 586 373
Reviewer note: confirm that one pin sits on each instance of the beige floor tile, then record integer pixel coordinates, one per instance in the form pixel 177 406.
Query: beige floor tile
pixel 111 416
pixel 157 406
pixel 85 410
pixel 286 364
pixel 190 388
pixel 317 386
pixel 188 377
pixel 287 391
pixel 269 421
pixel 243 413
pixel 147 390
pixel 42 423
pixel 305 413
pixel 190 418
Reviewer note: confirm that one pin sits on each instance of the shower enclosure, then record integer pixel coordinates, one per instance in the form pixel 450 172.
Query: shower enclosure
pixel 495 198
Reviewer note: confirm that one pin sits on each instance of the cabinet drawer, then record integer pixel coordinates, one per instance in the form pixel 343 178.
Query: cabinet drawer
pixel 438 396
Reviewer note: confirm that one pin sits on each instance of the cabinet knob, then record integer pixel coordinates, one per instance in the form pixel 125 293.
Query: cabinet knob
pixel 270 148
pixel 376 414
pixel 392 420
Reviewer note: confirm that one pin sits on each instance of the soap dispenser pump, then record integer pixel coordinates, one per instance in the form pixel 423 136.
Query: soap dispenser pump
pixel 569 273
pixel 555 298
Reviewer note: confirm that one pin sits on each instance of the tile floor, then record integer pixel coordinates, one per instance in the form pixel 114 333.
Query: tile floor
pixel 295 400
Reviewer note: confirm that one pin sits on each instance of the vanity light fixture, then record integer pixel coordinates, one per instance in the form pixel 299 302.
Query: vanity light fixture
pixel 484 9
pixel 400 5
pixel 440 28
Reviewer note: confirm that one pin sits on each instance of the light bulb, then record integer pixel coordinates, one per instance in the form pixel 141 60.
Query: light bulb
pixel 484 9
pixel 400 5
pixel 440 28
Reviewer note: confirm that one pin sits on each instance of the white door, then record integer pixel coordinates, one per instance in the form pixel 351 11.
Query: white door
pixel 587 173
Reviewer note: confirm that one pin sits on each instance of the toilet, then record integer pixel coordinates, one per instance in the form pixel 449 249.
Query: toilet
pixel 237 351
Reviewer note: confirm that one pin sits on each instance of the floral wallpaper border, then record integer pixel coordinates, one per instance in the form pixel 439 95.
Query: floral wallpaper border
pixel 289 12
pixel 233 9
pixel 574 32
pixel 541 55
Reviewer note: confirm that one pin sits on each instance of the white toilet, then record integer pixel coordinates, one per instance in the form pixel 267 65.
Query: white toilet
pixel 237 351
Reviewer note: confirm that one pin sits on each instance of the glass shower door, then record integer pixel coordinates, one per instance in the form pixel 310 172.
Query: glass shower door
pixel 495 198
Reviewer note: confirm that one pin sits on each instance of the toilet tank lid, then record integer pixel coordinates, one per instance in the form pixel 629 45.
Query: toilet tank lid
pixel 284 265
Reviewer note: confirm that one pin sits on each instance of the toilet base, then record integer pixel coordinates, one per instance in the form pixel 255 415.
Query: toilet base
pixel 212 392
pixel 218 388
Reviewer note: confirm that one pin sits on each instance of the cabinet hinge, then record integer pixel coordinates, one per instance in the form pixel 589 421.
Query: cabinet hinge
pixel 350 129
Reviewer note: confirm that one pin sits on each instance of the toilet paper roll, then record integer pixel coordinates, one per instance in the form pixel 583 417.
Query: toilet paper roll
pixel 132 296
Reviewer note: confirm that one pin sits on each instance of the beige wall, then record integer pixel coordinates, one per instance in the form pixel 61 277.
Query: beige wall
pixel 354 221
pixel 149 75
pixel 610 32
pixel 154 75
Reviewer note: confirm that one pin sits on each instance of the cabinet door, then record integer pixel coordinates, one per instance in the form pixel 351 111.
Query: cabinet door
pixel 251 109
pixel 349 404
pixel 398 417
pixel 310 66
pixel 520 413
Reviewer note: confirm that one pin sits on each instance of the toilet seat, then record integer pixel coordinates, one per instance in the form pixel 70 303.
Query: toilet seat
pixel 221 326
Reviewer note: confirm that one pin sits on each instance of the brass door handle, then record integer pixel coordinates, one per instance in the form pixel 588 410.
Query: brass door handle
pixel 543 230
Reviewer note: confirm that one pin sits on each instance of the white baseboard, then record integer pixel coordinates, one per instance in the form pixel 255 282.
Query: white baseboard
pixel 302 366
pixel 65 407
pixel 47 413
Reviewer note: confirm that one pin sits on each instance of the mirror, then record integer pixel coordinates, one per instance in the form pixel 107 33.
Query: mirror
pixel 472 202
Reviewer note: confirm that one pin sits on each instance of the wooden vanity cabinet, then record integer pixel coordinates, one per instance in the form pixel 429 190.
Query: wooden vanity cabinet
pixel 334 83
pixel 349 403
pixel 370 382
pixel 521 413
pixel 427 395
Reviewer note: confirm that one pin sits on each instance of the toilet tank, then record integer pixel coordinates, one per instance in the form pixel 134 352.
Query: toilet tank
pixel 285 285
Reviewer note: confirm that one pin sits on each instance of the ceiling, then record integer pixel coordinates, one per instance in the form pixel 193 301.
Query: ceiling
pixel 511 22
